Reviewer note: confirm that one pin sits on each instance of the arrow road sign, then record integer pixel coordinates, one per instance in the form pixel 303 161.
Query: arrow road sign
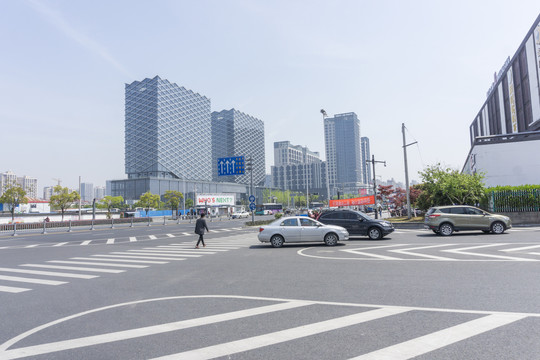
pixel 252 198
pixel 231 166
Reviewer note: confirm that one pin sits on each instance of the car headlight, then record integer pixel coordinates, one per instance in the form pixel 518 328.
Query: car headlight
pixel 387 224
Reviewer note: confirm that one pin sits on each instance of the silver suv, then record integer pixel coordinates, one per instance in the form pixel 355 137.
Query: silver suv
pixel 444 220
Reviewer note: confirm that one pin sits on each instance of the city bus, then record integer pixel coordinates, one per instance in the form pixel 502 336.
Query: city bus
pixel 268 209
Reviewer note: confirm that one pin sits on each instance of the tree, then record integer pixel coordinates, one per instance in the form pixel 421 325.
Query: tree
pixel 384 192
pixel 110 202
pixel 189 203
pixel 63 198
pixel 172 199
pixel 446 186
pixel 148 200
pixel 13 195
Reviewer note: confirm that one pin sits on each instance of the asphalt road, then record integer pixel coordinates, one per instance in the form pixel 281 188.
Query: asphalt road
pixel 147 293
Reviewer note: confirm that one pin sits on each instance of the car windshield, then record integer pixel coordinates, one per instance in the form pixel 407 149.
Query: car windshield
pixel 365 216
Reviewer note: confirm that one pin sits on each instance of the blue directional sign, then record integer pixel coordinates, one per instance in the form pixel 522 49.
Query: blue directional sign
pixel 252 198
pixel 252 207
pixel 231 166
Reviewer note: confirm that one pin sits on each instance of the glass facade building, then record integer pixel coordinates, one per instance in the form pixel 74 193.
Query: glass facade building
pixel 235 133
pixel 343 152
pixel 167 131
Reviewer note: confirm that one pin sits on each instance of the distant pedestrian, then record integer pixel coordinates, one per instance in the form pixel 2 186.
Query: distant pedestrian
pixel 200 225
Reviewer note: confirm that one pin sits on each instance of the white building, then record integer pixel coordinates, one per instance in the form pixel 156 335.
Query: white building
pixel 99 192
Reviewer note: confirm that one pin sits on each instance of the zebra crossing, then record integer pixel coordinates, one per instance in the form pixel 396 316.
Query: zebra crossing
pixel 527 252
pixel 113 241
pixel 54 272
pixel 286 321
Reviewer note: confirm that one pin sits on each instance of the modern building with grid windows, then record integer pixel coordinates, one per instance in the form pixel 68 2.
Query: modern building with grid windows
pixel 366 155
pixel 343 153
pixel 235 133
pixel 505 134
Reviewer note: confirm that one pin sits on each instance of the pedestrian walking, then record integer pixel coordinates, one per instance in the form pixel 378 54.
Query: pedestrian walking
pixel 200 225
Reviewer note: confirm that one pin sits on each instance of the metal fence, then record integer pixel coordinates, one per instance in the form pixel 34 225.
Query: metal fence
pixel 514 200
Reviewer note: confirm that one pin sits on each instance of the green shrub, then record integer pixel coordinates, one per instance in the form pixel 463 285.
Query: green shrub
pixel 278 215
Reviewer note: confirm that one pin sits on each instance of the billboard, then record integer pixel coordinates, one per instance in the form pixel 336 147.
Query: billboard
pixel 365 200
pixel 215 200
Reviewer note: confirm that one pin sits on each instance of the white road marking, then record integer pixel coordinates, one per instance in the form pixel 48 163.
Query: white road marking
pixel 522 248
pixel 145 331
pixel 170 235
pixel 31 246
pixel 152 237
pixel 121 260
pixel 424 344
pixel 60 244
pixel 165 253
pixel 86 242
pixel 110 241
pixel 189 248
pixel 100 264
pixel 460 251
pixel 132 239
pixel 31 280
pixel 277 337
pixel 140 257
pixel 136 252
pixel 73 268
pixel 13 290
pixel 406 252
pixel 49 273
pixel 360 251
pixel 186 234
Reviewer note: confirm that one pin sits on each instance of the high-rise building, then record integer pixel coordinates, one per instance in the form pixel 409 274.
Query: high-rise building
pixel 29 185
pixel 87 192
pixel 505 133
pixel 296 168
pixel 167 131
pixel 47 192
pixel 99 192
pixel 7 178
pixel 343 153
pixel 366 155
pixel 235 133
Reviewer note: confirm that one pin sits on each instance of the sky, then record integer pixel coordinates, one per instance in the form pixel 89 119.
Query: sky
pixel 426 64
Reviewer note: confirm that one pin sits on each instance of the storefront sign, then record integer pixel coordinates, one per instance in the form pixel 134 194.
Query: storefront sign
pixel 215 200
pixel 365 200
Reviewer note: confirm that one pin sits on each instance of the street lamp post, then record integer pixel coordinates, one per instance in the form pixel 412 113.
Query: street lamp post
pixel 372 161
pixel 406 171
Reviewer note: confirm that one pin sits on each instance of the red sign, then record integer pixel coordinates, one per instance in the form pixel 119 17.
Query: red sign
pixel 362 191
pixel 366 200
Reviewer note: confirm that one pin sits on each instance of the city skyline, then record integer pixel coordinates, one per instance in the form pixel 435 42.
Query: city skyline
pixel 68 106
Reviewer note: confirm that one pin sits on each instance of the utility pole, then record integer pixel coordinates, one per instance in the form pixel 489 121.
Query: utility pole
pixel 80 197
pixel 372 161
pixel 406 171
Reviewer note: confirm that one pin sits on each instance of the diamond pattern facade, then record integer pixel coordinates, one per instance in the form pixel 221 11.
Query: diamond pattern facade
pixel 167 131
pixel 235 133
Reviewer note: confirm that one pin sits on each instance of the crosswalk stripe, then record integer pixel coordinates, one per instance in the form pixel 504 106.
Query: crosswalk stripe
pixel 31 280
pixel 110 241
pixel 277 337
pixel 122 260
pixel 136 252
pixel 170 235
pixel 60 244
pixel 522 248
pixel 186 233
pixel 162 252
pixel 132 239
pixel 86 242
pixel 49 273
pixel 100 264
pixel 152 237
pixel 189 248
pixel 74 268
pixel 146 331
pixel 13 290
pixel 140 257
pixel 424 344
pixel 31 246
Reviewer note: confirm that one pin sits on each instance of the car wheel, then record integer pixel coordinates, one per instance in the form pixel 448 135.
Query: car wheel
pixel 446 229
pixel 330 239
pixel 375 233
pixel 497 227
pixel 276 241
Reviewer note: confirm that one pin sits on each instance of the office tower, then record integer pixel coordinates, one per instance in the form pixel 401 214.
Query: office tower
pixel 235 133
pixel 29 185
pixel 87 192
pixel 47 192
pixel 167 131
pixel 366 155
pixel 343 153
pixel 99 192
pixel 285 153
pixel 7 178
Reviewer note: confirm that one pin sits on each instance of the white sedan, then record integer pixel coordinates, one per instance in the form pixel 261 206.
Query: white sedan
pixel 240 214
pixel 301 229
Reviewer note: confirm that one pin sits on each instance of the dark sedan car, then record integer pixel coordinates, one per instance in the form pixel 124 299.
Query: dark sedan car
pixel 357 223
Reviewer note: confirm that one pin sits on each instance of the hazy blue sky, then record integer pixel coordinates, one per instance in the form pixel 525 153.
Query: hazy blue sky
pixel 427 64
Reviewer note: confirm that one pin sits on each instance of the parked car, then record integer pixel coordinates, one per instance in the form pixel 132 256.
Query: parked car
pixel 240 214
pixel 444 220
pixel 301 229
pixel 357 223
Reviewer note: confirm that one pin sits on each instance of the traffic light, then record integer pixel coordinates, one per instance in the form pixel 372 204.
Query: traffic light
pixel 249 164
